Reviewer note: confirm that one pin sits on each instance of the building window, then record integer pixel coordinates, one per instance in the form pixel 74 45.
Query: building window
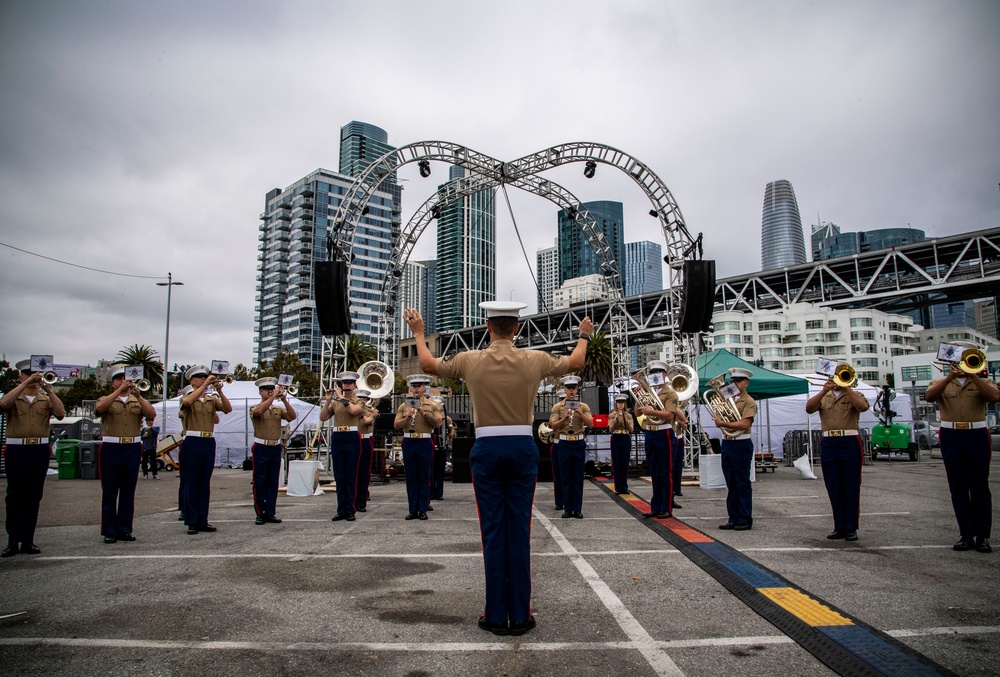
pixel 861 321
pixel 814 324
pixel 769 326
pixel 727 325
pixel 770 338
pixel 832 324
pixel 792 326
pixel 862 336
pixel 727 338
pixel 815 338
pixel 863 348
pixel 921 372
pixel 748 326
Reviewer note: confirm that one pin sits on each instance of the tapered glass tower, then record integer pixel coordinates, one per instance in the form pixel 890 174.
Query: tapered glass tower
pixel 782 242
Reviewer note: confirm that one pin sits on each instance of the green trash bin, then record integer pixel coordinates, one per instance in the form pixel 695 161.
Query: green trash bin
pixel 68 460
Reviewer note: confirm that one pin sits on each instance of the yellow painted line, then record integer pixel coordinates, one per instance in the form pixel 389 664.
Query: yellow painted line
pixel 804 607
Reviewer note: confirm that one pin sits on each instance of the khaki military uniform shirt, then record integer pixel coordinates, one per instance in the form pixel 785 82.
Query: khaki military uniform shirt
pixel 961 402
pixel 122 419
pixel 29 419
pixel 747 406
pixel 267 426
pixel 341 417
pixel 838 412
pixel 366 428
pixel 575 423
pixel 420 424
pixel 200 416
pixel 669 402
pixel 620 422
pixel 503 380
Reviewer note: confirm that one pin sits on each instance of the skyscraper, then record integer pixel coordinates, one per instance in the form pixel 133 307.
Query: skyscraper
pixel 576 257
pixel 360 145
pixel 782 242
pixel 643 272
pixel 547 267
pixel 466 258
pixel 293 232
pixel 413 293
pixel 829 243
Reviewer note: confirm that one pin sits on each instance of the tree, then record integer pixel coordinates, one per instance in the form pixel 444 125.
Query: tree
pixel 598 364
pixel 82 390
pixel 289 363
pixel 244 373
pixel 148 359
pixel 8 377
pixel 359 350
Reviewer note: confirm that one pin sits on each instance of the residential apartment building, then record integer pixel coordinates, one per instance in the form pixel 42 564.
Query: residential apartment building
pixel 547 270
pixel 580 289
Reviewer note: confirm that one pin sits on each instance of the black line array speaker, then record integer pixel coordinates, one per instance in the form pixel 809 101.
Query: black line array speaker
pixel 461 467
pixel 699 296
pixel 332 306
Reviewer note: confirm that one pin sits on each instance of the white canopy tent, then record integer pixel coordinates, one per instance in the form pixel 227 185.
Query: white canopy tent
pixel 234 431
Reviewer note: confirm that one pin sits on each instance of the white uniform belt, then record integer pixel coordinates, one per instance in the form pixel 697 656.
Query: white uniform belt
pixel 621 432
pixel 963 425
pixel 199 433
pixel 366 435
pixel 345 428
pixel 503 430
pixel 27 440
pixel 840 433
pixel 652 427
pixel 744 436
pixel 119 440
pixel 267 443
pixel 417 436
pixel 571 438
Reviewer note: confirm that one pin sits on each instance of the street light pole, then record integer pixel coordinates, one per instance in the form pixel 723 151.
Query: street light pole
pixel 169 284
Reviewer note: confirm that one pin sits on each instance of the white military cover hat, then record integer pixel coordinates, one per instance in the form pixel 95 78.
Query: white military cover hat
pixel 348 376
pixel 266 382
pixel 739 372
pixel 621 398
pixel 658 365
pixel 116 370
pixel 418 379
pixel 196 370
pixel 571 380
pixel 502 308
pixel 361 392
pixel 187 390
pixel 23 365
pixel 965 344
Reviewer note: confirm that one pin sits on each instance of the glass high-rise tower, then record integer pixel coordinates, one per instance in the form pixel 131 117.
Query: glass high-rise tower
pixel 466 258
pixel 547 266
pixel 782 242
pixel 643 272
pixel 576 257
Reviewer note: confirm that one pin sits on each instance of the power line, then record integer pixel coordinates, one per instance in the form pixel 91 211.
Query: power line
pixel 76 265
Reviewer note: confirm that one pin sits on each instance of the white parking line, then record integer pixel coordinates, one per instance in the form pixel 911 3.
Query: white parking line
pixel 661 663
pixel 430 647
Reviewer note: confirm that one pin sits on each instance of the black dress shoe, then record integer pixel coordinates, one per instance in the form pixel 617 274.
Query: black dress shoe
pixel 522 627
pixel 647 515
pixel 10 550
pixel 742 527
pixel 964 544
pixel 982 545
pixel 338 517
pixel 411 516
pixel 664 514
pixel 260 520
pixel 578 515
pixel 180 517
pixel 129 538
pixel 421 515
pixel 727 526
pixel 676 505
pixel 110 539
pixel 835 534
pixel 850 535
pixel 30 549
pixel 430 508
pixel 677 493
pixel 566 514
pixel 351 518
pixel 559 507
pixel 272 519
pixel 208 528
pixel 495 628
pixel 362 509
pixel 192 531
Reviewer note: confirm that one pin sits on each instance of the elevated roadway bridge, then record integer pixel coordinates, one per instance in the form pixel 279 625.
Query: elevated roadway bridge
pixel 952 268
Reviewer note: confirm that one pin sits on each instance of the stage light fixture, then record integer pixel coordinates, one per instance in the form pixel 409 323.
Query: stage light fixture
pixel 572 214
pixel 364 212
pixel 654 213
pixel 589 168
pixel 425 168
pixel 436 212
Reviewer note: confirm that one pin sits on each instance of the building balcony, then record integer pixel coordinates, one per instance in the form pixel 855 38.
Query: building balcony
pixel 302 202
pixel 303 214
pixel 282 236
pixel 263 217
pixel 304 233
pixel 305 190
pixel 283 214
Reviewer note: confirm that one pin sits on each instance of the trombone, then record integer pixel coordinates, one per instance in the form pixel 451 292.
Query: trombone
pixel 973 361
pixel 844 376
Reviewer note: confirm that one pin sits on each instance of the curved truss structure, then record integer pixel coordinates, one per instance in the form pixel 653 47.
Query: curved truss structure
pixel 483 172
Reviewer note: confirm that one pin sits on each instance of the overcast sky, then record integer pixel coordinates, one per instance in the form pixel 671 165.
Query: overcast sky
pixel 141 137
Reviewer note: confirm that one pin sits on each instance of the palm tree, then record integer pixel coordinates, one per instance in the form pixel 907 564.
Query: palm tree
pixel 147 358
pixel 597 366
pixel 359 350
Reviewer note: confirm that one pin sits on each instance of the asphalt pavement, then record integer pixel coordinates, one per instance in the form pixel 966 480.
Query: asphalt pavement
pixel 384 596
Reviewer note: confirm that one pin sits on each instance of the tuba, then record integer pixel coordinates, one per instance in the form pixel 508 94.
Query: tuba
pixel 722 407
pixel 376 378
pixel 684 380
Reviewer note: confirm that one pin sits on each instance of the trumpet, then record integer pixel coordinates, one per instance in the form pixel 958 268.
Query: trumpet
pixel 973 361
pixel 50 377
pixel 225 378
pixel 142 385
pixel 293 389
pixel 722 407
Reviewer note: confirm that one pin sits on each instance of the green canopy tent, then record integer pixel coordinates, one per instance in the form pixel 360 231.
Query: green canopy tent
pixel 764 383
